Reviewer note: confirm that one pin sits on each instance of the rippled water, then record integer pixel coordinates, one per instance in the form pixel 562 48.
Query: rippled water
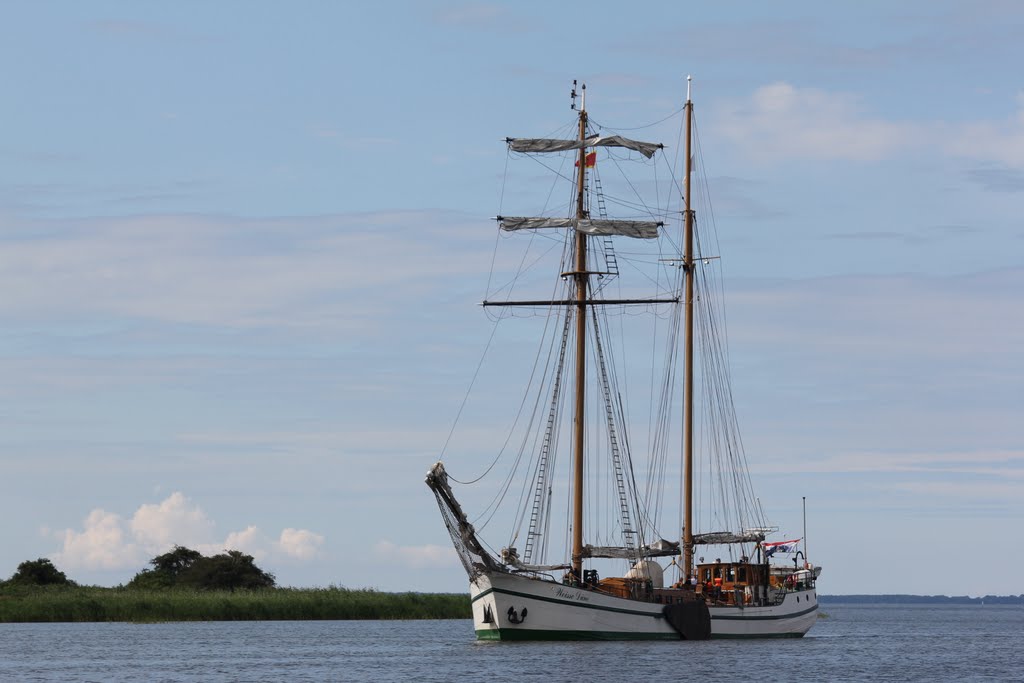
pixel 902 643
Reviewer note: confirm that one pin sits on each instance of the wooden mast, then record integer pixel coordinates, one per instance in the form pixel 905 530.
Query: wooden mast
pixel 581 353
pixel 688 360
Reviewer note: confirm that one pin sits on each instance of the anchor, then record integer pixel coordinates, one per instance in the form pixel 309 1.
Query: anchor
pixel 514 617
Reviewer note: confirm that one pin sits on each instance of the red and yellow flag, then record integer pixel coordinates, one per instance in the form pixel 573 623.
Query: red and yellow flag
pixel 591 159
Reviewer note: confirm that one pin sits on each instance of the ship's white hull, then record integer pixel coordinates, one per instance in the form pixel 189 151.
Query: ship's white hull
pixel 557 612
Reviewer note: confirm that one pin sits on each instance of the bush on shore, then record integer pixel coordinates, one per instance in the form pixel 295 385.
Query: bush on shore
pixel 39 572
pixel 186 568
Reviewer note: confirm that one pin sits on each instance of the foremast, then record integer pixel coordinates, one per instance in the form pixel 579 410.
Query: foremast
pixel 580 296
pixel 581 279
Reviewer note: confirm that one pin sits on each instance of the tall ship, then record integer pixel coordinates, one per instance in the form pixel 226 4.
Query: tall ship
pixel 632 511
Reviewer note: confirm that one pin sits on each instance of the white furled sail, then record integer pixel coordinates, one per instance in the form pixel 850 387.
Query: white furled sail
pixel 647 230
pixel 660 548
pixel 547 145
pixel 720 537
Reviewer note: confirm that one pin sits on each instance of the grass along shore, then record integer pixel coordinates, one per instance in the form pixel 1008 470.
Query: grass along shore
pixel 94 603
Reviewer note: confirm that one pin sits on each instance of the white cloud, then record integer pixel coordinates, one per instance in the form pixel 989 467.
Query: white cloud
pixel 781 119
pixel 417 556
pixel 159 525
pixel 249 540
pixel 300 543
pixel 292 544
pixel 107 541
pixel 101 544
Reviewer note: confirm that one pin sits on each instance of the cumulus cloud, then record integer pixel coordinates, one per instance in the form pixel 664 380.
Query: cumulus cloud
pixel 103 543
pixel 417 556
pixel 781 120
pixel 176 517
pixel 249 540
pixel 108 541
pixel 292 544
pixel 300 543
pixel 809 123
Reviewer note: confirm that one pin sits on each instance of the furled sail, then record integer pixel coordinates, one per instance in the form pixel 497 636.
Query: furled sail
pixel 547 145
pixel 646 230
pixel 723 537
pixel 660 548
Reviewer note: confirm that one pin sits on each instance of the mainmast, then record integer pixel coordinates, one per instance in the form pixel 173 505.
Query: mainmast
pixel 579 299
pixel 581 279
pixel 688 360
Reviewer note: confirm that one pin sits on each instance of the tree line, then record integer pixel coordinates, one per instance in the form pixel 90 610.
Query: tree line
pixel 922 599
pixel 180 567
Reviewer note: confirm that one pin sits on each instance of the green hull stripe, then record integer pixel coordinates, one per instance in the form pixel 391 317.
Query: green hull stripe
pixel 736 636
pixel 655 615
pixel 536 634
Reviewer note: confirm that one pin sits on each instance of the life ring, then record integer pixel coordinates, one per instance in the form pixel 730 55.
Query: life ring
pixel 790 581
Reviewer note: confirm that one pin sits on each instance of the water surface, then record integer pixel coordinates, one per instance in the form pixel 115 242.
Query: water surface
pixel 855 642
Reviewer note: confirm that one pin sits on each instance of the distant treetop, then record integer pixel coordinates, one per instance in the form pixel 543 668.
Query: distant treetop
pixel 186 568
pixel 39 572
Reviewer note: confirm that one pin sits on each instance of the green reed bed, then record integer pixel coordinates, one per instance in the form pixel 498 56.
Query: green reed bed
pixel 50 604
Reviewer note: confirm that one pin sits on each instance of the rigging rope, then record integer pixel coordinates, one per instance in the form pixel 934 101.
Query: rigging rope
pixel 677 112
pixel 728 483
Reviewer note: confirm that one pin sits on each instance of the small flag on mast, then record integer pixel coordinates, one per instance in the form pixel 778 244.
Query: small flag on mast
pixel 780 547
pixel 591 159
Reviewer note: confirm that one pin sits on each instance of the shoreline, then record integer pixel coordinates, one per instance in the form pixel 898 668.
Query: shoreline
pixel 907 599
pixel 98 604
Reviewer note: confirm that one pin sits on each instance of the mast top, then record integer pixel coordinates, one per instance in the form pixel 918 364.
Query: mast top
pixel 689 78
pixel 582 96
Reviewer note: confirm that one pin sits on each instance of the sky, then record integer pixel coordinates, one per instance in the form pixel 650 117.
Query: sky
pixel 242 247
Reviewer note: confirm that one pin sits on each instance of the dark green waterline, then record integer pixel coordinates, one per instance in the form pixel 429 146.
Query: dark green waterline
pixel 536 634
pixel 511 634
